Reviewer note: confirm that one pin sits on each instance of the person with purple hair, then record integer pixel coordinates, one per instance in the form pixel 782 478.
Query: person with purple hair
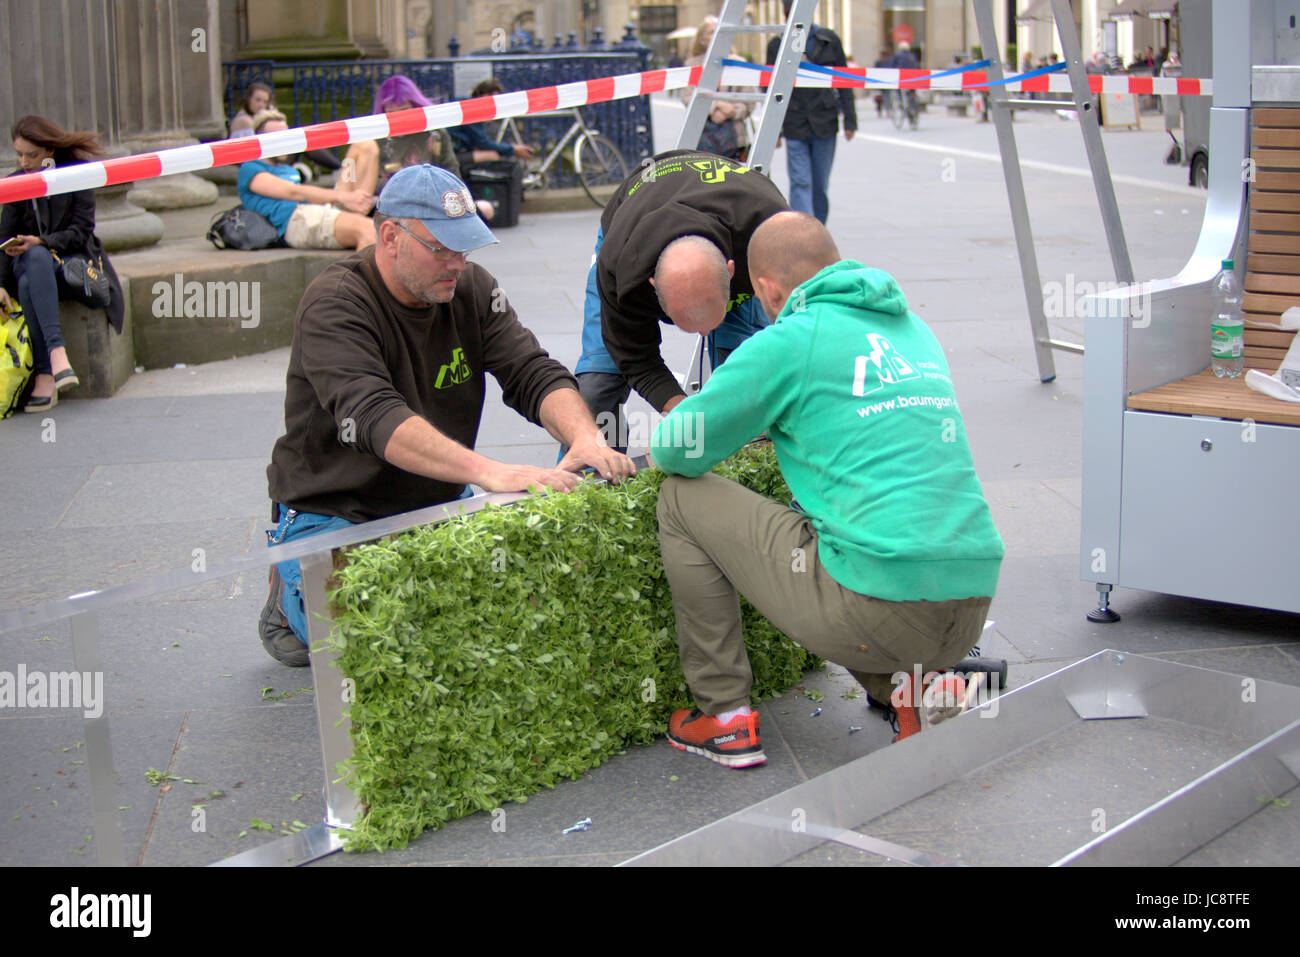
pixel 414 149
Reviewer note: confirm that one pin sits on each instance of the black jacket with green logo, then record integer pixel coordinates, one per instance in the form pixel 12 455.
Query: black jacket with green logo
pixel 362 363
pixel 683 193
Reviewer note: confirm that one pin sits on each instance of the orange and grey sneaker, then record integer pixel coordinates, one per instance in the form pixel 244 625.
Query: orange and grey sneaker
pixel 943 698
pixel 736 745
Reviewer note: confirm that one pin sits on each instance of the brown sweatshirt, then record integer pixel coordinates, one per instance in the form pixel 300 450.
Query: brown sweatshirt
pixel 362 363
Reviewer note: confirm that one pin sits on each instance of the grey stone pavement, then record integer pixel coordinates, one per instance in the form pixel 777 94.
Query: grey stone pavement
pixel 119 490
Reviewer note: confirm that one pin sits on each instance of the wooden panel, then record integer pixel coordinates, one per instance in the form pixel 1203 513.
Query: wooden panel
pixel 1263 262
pixel 1275 116
pixel 1274 202
pixel 1277 338
pixel 1282 159
pixel 1203 394
pixel 1273 305
pixel 1269 317
pixel 1275 222
pixel 1288 138
pixel 1260 243
pixel 1263 357
pixel 1276 179
pixel 1271 283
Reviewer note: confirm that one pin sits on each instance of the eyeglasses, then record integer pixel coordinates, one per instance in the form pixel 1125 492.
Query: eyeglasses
pixel 440 253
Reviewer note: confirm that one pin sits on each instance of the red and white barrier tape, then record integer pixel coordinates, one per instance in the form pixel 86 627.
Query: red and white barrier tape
pixel 882 79
pixel 187 159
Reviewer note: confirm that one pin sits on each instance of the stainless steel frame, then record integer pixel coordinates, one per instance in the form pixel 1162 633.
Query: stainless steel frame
pixel 1110 687
pixel 1148 476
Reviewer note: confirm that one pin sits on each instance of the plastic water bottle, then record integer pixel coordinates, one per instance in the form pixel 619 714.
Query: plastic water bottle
pixel 1226 329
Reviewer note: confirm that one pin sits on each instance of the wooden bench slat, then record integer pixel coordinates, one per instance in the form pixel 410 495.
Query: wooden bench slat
pixel 1203 394
pixel 1275 222
pixel 1263 357
pixel 1269 201
pixel 1272 318
pixel 1276 159
pixel 1275 116
pixel 1264 243
pixel 1276 179
pixel 1275 264
pixel 1272 283
pixel 1286 138
pixel 1257 302
pixel 1281 338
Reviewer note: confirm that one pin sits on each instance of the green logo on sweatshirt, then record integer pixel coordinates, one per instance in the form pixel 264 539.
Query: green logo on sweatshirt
pixel 454 372
pixel 715 170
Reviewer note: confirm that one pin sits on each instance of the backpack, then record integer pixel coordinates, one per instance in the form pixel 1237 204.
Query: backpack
pixel 16 361
pixel 240 228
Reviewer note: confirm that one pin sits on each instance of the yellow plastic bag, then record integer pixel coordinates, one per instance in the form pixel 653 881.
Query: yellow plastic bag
pixel 16 361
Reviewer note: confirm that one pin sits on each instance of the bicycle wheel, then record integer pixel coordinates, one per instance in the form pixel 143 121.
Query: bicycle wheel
pixel 913 111
pixel 897 108
pixel 600 166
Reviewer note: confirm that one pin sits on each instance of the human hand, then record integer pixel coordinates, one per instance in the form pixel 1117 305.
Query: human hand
pixel 356 200
pixel 593 450
pixel 502 477
pixel 6 303
pixel 849 134
pixel 23 244
pixel 524 151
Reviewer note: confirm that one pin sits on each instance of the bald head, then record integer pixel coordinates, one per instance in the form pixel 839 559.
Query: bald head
pixel 786 251
pixel 692 281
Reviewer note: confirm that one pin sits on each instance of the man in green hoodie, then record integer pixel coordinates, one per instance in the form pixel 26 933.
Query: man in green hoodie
pixel 888 560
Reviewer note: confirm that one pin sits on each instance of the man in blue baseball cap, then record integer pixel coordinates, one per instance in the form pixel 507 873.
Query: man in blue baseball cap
pixel 386 385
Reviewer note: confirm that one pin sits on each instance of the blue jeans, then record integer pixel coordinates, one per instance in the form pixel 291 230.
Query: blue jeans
pixel 809 165
pixel 38 294
pixel 294 524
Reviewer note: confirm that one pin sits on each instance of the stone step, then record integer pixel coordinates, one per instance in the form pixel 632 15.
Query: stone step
pixel 191 302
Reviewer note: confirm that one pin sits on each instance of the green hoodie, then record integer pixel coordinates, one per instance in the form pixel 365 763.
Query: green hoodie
pixel 855 394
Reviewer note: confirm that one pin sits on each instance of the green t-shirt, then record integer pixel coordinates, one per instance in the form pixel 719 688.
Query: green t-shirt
pixel 854 392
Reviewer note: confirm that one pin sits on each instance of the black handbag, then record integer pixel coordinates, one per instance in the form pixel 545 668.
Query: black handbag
pixel 240 228
pixel 84 278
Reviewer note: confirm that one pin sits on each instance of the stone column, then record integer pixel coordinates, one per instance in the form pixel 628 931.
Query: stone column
pixel 369 26
pixel 59 60
pixel 201 79
pixel 299 30
pixel 150 52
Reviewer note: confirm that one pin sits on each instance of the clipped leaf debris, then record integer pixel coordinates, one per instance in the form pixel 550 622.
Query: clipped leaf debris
pixel 499 653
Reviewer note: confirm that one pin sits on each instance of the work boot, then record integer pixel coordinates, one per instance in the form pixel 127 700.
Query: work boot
pixel 277 637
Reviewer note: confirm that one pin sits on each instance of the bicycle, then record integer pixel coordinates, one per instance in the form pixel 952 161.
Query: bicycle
pixel 904 108
pixel 596 159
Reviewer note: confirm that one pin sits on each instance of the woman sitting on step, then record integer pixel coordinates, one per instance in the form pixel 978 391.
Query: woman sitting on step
pixel 38 232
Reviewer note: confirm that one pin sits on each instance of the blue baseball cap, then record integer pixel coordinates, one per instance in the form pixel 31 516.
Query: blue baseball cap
pixel 439 200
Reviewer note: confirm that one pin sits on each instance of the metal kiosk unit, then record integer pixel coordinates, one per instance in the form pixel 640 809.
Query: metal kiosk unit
pixel 1189 482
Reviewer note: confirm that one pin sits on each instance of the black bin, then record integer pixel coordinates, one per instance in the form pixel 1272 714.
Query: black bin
pixel 501 183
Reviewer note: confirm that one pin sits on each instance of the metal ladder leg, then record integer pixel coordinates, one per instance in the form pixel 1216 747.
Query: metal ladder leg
pixel 1016 194
pixel 794 34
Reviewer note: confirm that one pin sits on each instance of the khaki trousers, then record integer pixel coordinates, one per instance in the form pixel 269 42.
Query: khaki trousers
pixel 719 539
